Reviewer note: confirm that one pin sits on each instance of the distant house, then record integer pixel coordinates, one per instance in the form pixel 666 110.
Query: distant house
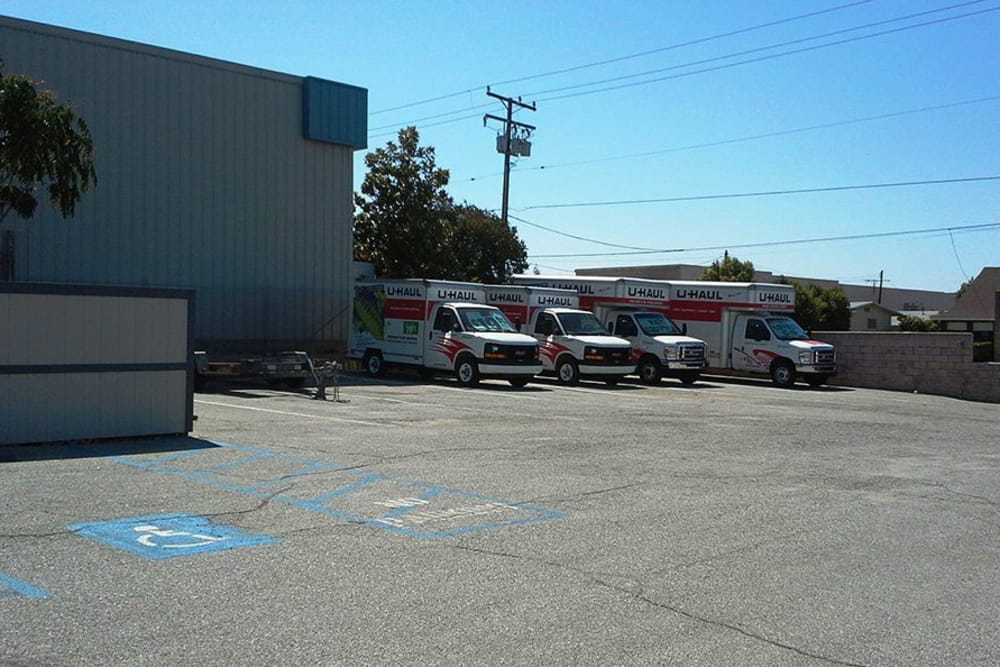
pixel 975 309
pixel 871 316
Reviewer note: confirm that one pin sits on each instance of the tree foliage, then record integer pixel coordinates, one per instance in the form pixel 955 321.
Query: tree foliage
pixel 408 227
pixel 730 270
pixel 43 145
pixel 912 323
pixel 482 248
pixel 819 309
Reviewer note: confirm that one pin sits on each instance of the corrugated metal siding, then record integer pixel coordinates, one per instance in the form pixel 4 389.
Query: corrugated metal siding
pixel 204 181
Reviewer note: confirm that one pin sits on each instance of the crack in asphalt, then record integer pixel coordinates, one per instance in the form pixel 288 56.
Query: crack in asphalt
pixel 641 596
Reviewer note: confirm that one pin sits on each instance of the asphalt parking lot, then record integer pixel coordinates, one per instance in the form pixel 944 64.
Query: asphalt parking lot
pixel 727 523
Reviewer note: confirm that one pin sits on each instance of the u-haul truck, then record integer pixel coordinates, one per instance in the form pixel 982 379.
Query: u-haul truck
pixel 438 326
pixel 636 310
pixel 748 327
pixel 572 342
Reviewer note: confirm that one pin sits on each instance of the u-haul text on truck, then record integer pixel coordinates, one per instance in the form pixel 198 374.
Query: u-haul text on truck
pixel 748 327
pixel 636 310
pixel 438 326
pixel 573 344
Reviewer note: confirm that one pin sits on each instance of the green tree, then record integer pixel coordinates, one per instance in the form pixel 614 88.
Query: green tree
pixel 911 323
pixel 482 248
pixel 402 211
pixel 408 227
pixel 819 309
pixel 730 270
pixel 43 145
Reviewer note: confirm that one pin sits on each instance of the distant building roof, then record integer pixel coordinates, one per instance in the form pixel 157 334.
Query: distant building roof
pixel 978 301
pixel 855 305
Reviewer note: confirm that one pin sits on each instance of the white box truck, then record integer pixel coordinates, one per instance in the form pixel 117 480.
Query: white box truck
pixel 572 342
pixel 748 327
pixel 438 326
pixel 636 310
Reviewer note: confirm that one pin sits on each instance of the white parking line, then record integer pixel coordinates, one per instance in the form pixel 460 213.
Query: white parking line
pixel 291 414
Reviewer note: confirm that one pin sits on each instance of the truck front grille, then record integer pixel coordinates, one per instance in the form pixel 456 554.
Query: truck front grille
pixel 691 352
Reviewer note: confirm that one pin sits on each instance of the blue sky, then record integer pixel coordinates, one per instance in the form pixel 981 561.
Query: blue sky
pixel 881 99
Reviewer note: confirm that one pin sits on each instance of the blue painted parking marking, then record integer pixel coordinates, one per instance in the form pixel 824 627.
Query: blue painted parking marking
pixel 408 507
pixel 162 536
pixel 11 587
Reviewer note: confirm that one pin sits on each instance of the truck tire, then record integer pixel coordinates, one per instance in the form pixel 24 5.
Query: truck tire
pixel 467 371
pixel 649 370
pixel 567 372
pixel 518 382
pixel 689 378
pixel 373 364
pixel 816 380
pixel 783 373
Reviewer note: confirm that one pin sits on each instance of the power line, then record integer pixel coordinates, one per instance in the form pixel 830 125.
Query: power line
pixel 706 70
pixel 758 49
pixel 754 137
pixel 763 58
pixel 765 244
pixel 640 54
pixel 767 193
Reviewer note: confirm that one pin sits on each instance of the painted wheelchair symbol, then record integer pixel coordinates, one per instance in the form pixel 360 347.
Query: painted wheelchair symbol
pixel 174 539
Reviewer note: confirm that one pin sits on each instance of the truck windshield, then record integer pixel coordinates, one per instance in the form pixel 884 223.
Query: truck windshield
pixel 580 324
pixel 485 319
pixel 655 324
pixel 785 328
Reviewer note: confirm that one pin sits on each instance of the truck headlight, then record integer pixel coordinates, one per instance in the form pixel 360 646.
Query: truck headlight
pixel 806 357
pixel 591 353
pixel 670 353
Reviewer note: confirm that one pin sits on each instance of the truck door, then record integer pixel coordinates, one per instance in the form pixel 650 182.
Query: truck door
pixel 751 343
pixel 441 349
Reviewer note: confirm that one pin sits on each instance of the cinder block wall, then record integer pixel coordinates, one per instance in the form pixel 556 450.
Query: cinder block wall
pixel 929 363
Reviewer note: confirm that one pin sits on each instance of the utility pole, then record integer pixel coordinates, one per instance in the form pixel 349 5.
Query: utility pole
pixel 523 145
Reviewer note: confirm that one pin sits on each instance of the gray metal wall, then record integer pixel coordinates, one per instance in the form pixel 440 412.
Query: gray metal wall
pixel 81 363
pixel 204 181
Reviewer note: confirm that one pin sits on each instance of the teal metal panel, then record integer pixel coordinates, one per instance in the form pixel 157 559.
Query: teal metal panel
pixel 335 113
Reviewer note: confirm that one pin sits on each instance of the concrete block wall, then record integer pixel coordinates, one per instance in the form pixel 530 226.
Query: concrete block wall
pixel 928 363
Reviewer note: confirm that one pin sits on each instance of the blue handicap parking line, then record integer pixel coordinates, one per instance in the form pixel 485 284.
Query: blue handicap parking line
pixel 162 536
pixel 11 587
pixel 409 507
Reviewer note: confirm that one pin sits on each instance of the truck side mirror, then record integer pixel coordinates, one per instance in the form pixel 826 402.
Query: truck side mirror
pixel 684 328
pixel 517 323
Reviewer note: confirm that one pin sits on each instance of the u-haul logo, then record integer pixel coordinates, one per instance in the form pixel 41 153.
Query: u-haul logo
pixel 393 290
pixel 456 295
pixel 647 292
pixel 774 297
pixel 564 301
pixel 699 294
pixel 503 297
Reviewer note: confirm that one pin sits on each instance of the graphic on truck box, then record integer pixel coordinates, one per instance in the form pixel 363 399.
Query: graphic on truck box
pixel 368 311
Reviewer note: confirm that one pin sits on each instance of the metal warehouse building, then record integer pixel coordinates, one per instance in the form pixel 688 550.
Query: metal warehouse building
pixel 228 180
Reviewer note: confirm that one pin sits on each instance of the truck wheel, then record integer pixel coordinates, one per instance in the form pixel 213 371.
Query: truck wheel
pixel 567 372
pixel 518 382
pixel 373 364
pixel 467 371
pixel 816 380
pixel 689 378
pixel 649 370
pixel 783 373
